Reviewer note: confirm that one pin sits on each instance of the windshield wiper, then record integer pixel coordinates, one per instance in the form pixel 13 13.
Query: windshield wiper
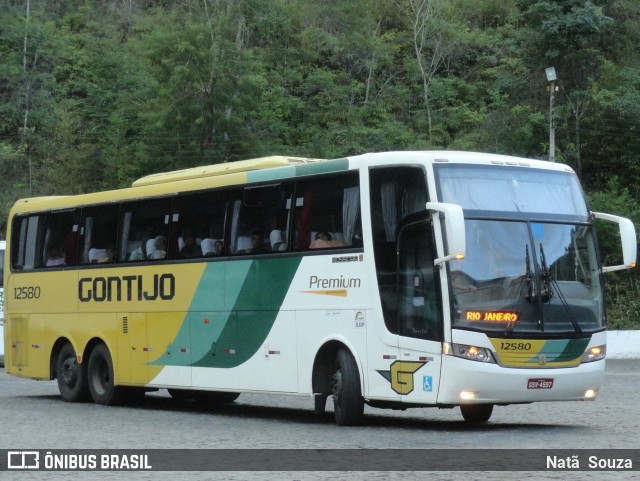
pixel 550 285
pixel 528 280
pixel 532 285
pixel 546 292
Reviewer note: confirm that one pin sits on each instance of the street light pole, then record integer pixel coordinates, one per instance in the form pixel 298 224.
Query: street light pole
pixel 552 131
pixel 551 77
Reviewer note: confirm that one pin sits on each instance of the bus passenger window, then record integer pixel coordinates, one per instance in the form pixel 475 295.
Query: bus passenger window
pixel 23 244
pixel 260 219
pixel 198 225
pixel 99 231
pixel 60 241
pixel 327 213
pixel 144 230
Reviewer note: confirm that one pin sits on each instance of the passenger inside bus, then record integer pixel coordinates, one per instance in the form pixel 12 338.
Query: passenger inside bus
pixel 325 240
pixel 140 253
pixel 160 248
pixel 56 257
pixel 109 253
pixel 190 248
pixel 211 247
pixel 258 245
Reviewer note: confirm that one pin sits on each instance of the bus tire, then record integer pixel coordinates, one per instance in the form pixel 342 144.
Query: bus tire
pixel 348 404
pixel 101 380
pixel 320 404
pixel 71 376
pixel 476 413
pixel 215 397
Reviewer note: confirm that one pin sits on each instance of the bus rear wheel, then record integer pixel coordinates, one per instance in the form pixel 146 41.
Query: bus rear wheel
pixel 348 404
pixel 71 376
pixel 101 380
pixel 476 413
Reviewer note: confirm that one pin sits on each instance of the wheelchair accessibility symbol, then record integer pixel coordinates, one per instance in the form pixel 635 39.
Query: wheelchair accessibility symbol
pixel 427 383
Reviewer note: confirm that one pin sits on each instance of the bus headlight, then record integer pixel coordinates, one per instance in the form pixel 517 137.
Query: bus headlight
pixel 595 353
pixel 474 353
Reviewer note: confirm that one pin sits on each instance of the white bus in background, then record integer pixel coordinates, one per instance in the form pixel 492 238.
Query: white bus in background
pixel 2 248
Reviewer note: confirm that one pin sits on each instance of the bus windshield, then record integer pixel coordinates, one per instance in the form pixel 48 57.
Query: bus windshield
pixel 512 192
pixel 546 279
pixel 531 264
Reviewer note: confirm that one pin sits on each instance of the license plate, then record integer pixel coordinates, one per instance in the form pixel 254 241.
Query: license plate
pixel 540 383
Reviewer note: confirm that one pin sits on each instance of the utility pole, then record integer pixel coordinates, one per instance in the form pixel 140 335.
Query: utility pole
pixel 551 78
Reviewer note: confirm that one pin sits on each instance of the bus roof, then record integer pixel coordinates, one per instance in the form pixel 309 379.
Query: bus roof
pixel 222 169
pixel 273 168
pixel 459 157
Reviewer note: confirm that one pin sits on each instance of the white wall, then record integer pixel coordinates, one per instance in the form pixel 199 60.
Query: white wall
pixel 623 344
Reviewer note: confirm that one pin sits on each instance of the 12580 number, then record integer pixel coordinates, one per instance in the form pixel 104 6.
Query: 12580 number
pixel 515 346
pixel 27 292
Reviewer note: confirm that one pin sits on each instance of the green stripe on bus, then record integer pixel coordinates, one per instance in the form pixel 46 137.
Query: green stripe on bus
pixel 320 167
pixel 574 349
pixel 562 350
pixel 323 167
pixel 271 174
pixel 232 312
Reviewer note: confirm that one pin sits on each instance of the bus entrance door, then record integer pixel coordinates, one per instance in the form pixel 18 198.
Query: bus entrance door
pixel 420 315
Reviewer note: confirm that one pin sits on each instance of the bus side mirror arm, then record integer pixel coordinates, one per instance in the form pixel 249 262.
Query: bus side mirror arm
pixel 454 231
pixel 627 238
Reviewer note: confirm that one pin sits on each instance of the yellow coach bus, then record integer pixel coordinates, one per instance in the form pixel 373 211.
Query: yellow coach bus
pixel 393 279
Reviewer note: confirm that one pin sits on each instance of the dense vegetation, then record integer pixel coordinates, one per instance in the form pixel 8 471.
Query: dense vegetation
pixel 96 93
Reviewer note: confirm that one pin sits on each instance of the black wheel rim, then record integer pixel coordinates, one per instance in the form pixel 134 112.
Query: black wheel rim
pixel 69 371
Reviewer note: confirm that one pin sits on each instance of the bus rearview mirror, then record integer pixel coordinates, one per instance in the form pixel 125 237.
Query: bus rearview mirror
pixel 454 232
pixel 627 239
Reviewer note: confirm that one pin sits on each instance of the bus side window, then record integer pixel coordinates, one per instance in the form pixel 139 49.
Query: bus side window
pixel 60 239
pixel 260 219
pixel 24 242
pixel 99 231
pixel 198 224
pixel 328 213
pixel 144 229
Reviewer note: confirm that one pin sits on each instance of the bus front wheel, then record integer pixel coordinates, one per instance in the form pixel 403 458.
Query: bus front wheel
pixel 476 413
pixel 71 376
pixel 101 380
pixel 348 404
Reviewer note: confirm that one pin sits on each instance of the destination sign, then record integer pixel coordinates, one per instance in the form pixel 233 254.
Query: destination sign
pixel 492 316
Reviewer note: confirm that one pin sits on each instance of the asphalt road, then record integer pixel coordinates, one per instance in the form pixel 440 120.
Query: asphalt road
pixel 33 416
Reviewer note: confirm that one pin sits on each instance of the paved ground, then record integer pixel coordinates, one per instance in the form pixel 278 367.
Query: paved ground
pixel 33 416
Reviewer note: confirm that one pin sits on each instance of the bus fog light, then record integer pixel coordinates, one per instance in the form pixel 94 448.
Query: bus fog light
pixel 467 395
pixel 590 394
pixel 595 353
pixel 473 353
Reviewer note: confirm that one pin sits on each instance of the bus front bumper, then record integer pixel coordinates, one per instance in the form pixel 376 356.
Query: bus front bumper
pixel 465 381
